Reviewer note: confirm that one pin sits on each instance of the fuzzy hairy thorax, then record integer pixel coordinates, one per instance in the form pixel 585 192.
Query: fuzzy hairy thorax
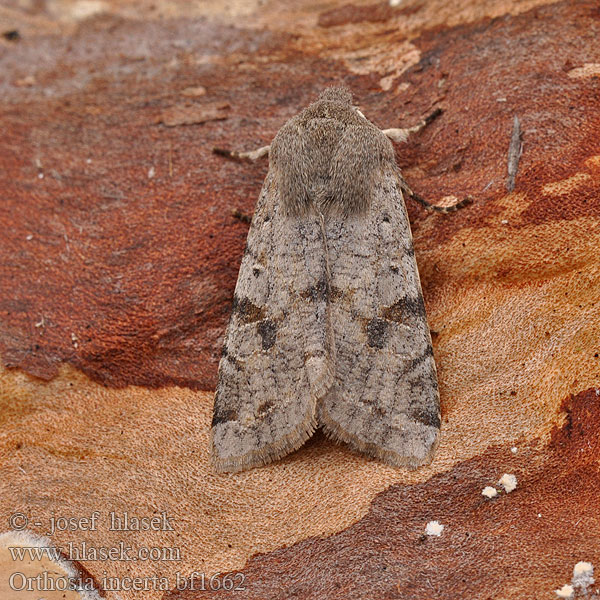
pixel 327 158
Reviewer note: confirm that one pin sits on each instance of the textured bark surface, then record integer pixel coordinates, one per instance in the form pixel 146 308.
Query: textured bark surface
pixel 120 249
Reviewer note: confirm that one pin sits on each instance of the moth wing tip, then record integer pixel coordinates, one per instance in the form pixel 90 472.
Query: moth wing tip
pixel 416 453
pixel 259 457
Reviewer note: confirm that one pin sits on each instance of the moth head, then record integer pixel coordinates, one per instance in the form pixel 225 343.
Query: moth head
pixel 342 95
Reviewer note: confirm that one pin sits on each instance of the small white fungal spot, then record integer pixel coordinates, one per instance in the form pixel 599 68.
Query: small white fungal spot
pixel 566 591
pixel 40 176
pixel 583 575
pixel 539 515
pixel 514 449
pixel 151 172
pixel 88 161
pixel 29 237
pixel 75 340
pixel 508 482
pixel 395 2
pixel 500 99
pixel 489 491
pixel 504 221
pixel 583 568
pixel 434 528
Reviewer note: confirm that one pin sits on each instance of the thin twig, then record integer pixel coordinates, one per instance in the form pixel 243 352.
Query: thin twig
pixel 515 149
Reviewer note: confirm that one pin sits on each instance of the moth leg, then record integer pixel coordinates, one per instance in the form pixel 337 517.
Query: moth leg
pixel 434 207
pixel 401 135
pixel 252 155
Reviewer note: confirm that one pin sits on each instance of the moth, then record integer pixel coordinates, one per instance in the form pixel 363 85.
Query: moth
pixel 328 326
